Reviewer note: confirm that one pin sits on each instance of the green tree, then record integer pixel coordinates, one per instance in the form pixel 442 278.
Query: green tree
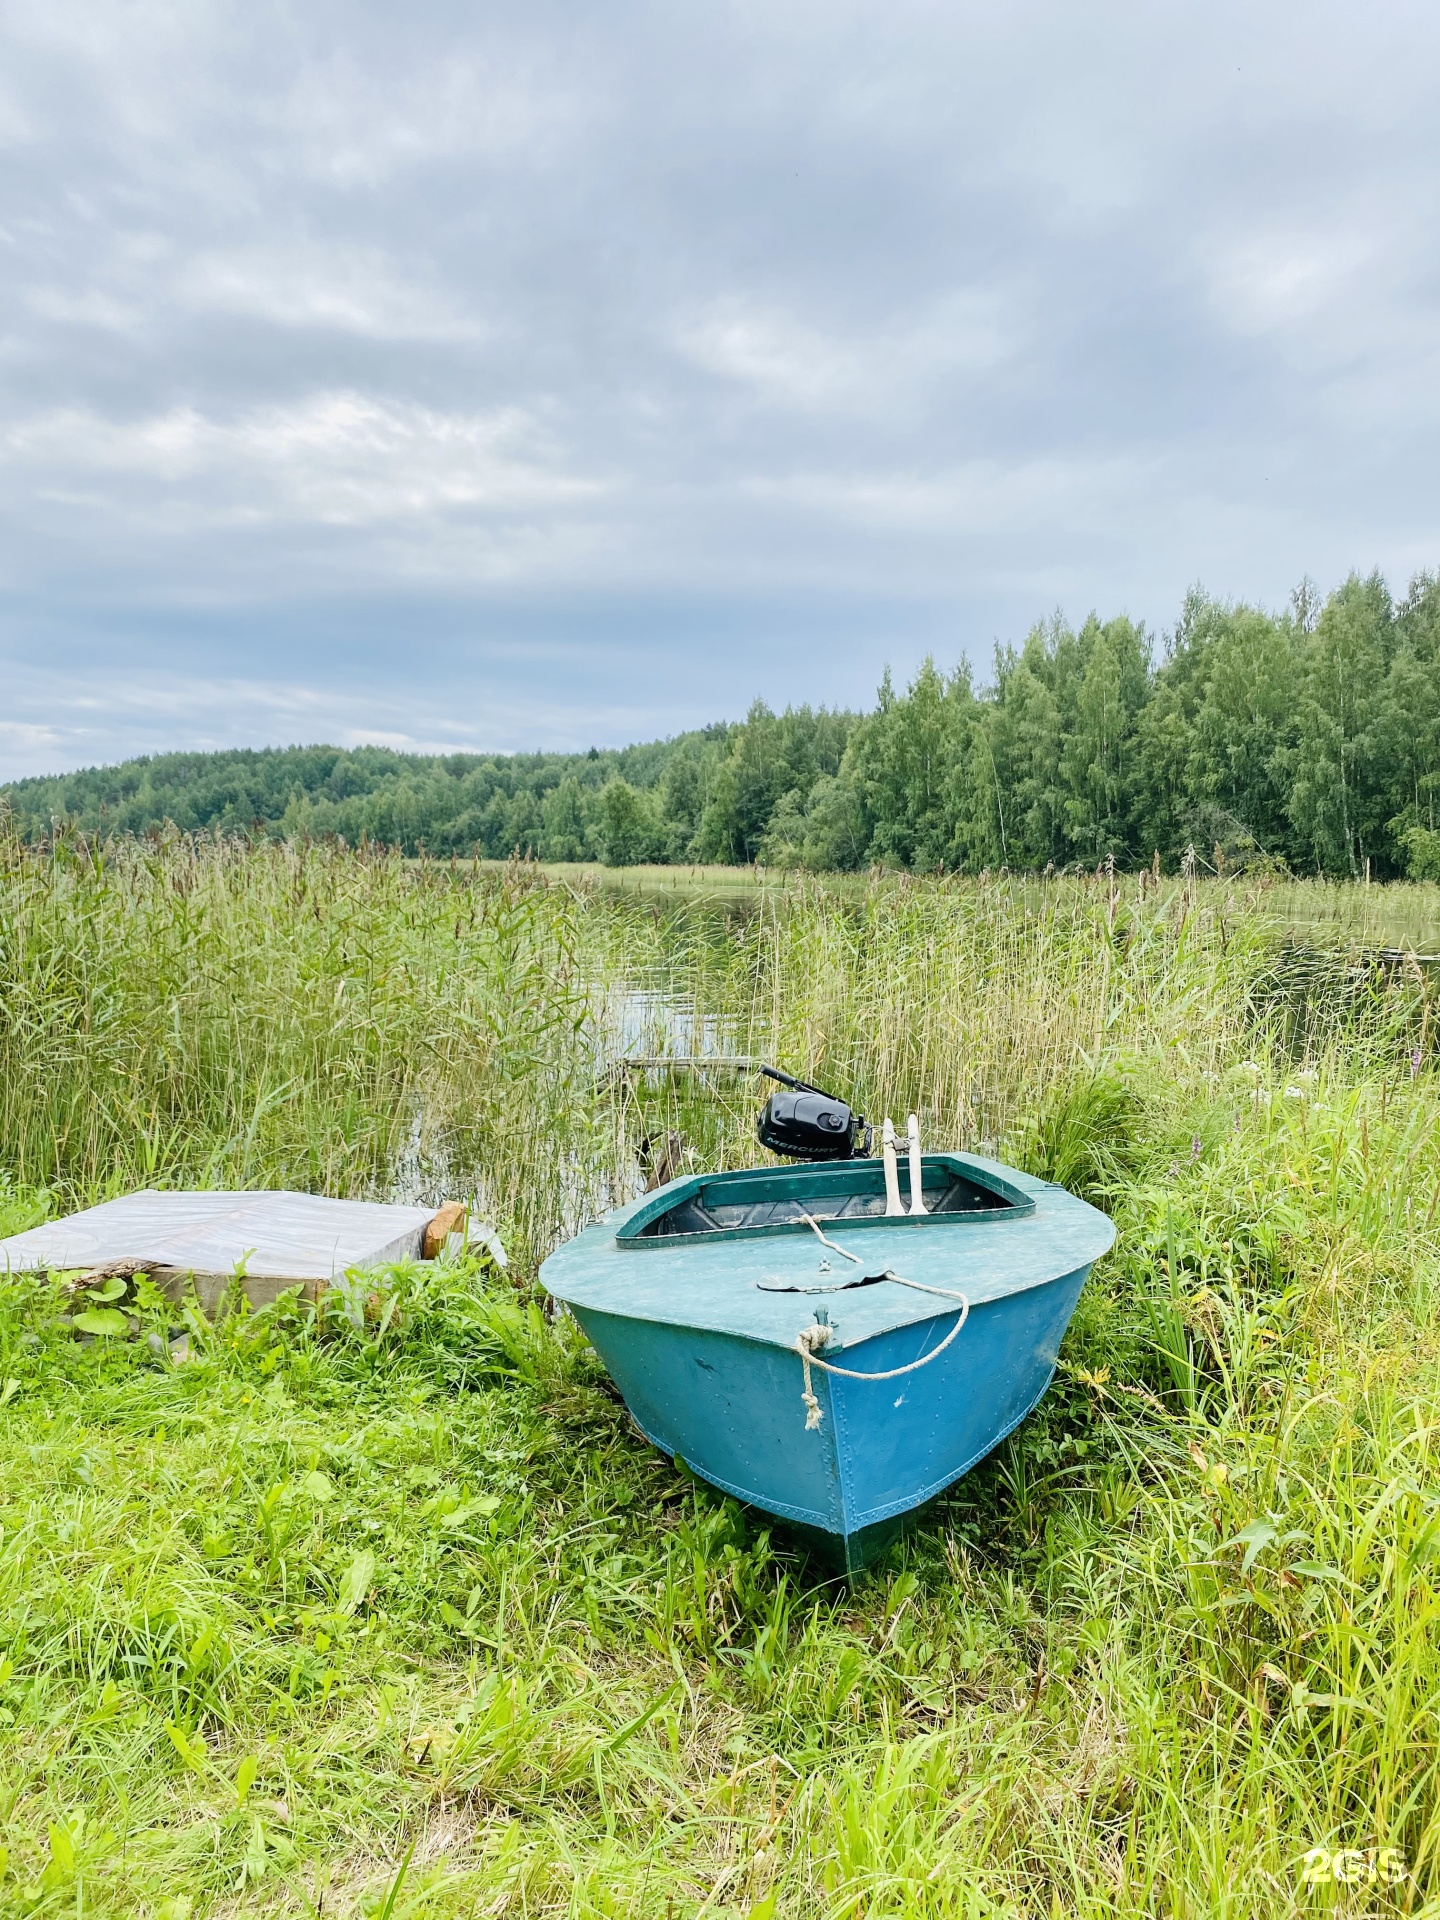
pixel 1413 743
pixel 769 756
pixel 1012 772
pixel 1102 688
pixel 1338 793
pixel 837 833
pixel 902 763
pixel 1216 735
pixel 524 826
pixel 628 826
pixel 565 822
pixel 684 786
pixel 784 841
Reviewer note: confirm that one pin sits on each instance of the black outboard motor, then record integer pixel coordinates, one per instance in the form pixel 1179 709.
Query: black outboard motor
pixel 806 1123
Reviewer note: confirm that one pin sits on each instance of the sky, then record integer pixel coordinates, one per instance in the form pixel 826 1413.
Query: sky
pixel 496 376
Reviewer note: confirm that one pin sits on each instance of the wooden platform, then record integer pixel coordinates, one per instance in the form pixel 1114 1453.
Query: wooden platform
pixel 277 1240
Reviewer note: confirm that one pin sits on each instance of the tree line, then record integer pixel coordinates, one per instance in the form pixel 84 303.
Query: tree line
pixel 1308 739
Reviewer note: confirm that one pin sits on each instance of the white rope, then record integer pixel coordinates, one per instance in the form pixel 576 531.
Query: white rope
pixel 825 1241
pixel 809 1339
pixel 812 1405
pixel 945 1293
pixel 812 1359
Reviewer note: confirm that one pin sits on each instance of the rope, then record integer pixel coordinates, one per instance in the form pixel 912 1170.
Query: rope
pixel 827 1242
pixel 812 1359
pixel 945 1293
pixel 812 1405
pixel 809 1339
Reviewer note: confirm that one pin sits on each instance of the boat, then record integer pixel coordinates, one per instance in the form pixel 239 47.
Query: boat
pixel 800 1341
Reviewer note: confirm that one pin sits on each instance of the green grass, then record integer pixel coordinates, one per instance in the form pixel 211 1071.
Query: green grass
pixel 1327 911
pixel 401 1617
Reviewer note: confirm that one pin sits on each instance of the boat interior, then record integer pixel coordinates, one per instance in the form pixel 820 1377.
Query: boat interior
pixel 853 1191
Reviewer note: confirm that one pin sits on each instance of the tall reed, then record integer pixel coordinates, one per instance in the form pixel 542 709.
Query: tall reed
pixel 215 1013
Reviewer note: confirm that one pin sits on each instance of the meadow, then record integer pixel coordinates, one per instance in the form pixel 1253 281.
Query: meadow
pixel 393 1613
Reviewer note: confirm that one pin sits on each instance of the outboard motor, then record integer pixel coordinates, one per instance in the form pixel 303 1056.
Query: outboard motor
pixel 806 1123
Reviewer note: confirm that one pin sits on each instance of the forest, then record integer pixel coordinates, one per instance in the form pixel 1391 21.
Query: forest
pixel 1308 740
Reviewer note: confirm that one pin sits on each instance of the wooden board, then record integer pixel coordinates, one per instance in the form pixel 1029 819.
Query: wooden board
pixel 283 1239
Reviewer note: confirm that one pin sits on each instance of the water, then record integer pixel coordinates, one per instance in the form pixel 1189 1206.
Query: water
pixel 660 1020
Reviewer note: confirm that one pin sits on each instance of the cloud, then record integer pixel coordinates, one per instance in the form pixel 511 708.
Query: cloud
pixel 344 289
pixel 359 123
pixel 605 371
pixel 340 459
pixel 1272 281
pixel 793 364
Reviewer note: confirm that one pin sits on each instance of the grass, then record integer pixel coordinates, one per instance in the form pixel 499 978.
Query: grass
pixel 1327 911
pixel 398 1617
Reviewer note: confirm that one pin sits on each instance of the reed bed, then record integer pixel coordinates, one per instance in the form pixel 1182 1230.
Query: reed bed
pixel 214 1013
pixel 401 1618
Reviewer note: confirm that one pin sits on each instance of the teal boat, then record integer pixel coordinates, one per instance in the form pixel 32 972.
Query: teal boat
pixel 810 1353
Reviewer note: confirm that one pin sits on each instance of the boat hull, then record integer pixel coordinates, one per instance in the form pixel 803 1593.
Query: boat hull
pixel 731 1409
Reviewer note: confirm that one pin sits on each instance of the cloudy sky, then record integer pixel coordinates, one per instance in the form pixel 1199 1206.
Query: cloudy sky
pixel 496 375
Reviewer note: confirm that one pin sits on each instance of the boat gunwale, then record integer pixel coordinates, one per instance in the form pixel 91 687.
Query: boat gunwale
pixel 631 1236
